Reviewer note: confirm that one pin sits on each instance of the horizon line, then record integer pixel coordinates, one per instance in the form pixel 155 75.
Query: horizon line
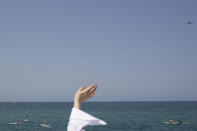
pixel 100 101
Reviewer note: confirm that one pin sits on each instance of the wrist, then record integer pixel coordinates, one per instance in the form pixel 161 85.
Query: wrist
pixel 77 105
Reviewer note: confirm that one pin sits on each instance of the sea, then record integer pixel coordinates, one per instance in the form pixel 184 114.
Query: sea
pixel 120 116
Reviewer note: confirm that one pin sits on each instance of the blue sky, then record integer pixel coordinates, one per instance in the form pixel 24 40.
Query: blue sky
pixel 135 50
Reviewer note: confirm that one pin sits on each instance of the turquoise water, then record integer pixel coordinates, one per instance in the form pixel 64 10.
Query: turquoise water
pixel 120 116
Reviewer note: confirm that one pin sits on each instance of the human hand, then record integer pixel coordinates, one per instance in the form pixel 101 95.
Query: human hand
pixel 84 94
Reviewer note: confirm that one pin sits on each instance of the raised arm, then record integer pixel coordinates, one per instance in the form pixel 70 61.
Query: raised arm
pixel 78 118
pixel 84 94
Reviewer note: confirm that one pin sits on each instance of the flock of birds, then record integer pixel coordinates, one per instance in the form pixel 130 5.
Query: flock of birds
pixel 188 22
pixel 41 66
pixel 44 66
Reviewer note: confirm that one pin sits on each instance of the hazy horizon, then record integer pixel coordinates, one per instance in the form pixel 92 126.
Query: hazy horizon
pixel 89 101
pixel 133 50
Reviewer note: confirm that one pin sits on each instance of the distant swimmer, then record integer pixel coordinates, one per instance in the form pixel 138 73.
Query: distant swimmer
pixel 182 122
pixel 26 118
pixel 45 125
pixel 45 121
pixel 15 123
pixel 170 121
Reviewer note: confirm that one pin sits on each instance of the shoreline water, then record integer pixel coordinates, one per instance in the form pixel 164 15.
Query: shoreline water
pixel 120 116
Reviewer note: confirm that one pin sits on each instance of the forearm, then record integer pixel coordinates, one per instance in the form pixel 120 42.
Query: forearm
pixel 78 118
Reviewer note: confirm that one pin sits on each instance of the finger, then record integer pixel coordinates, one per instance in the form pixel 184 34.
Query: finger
pixel 92 94
pixel 82 88
pixel 93 89
pixel 89 88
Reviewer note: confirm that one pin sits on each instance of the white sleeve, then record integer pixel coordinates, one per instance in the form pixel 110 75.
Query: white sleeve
pixel 80 119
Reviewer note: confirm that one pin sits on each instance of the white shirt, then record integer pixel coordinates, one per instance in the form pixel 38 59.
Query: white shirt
pixel 80 119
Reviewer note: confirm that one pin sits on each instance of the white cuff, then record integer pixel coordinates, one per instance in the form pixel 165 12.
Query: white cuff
pixel 80 119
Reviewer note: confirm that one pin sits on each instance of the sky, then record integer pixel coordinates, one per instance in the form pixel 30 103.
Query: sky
pixel 134 50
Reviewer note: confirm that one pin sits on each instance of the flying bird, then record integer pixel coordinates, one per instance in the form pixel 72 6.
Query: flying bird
pixel 61 63
pixel 20 72
pixel 188 22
